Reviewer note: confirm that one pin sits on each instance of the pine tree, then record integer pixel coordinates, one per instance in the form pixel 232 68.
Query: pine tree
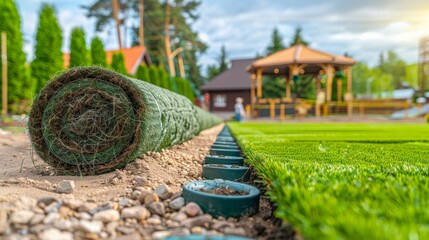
pixel 78 51
pixel 48 55
pixel 223 64
pixel 276 43
pixel 214 70
pixel 273 87
pixel 297 39
pixel 142 73
pixel 118 63
pixel 11 24
pixel 98 55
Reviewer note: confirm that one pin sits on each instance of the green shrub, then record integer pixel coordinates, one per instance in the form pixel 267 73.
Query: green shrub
pixel 118 63
pixel 98 55
pixel 142 73
pixel 48 53
pixel 79 55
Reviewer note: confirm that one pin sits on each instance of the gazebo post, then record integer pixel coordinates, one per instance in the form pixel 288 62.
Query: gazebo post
pixel 330 78
pixel 252 93
pixel 349 79
pixel 318 86
pixel 339 89
pixel 349 93
pixel 259 83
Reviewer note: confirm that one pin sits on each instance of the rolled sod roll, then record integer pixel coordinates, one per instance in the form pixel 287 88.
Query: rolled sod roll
pixel 91 120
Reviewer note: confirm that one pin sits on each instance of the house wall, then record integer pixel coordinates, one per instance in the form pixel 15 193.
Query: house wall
pixel 230 96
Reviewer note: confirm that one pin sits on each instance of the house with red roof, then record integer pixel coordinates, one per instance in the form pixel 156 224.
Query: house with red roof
pixel 134 57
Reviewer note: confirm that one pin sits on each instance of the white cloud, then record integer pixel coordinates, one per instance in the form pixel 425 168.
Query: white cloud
pixel 362 28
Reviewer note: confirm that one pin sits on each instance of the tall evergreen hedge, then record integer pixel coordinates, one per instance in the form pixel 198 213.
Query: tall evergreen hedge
pixel 154 75
pixel 78 51
pixel 142 73
pixel 118 63
pixel 11 24
pixel 48 54
pixel 98 55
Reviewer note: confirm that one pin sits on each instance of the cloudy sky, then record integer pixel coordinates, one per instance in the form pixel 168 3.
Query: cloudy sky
pixel 362 28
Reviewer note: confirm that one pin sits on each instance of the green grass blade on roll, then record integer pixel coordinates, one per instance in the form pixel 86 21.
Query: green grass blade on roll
pixel 91 120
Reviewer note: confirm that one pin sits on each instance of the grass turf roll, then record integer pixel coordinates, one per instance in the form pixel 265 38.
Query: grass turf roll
pixel 91 120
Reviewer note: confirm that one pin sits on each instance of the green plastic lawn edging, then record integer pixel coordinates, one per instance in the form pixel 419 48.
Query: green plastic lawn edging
pixel 225 146
pixel 225 152
pixel 230 160
pixel 223 205
pixel 227 172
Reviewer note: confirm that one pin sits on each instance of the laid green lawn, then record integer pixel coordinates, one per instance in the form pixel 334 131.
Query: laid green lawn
pixel 344 181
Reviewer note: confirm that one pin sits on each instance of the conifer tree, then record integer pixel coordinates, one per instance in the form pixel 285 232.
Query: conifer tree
pixel 78 52
pixel 154 75
pixel 142 73
pixel 98 55
pixel 11 24
pixel 48 54
pixel 118 63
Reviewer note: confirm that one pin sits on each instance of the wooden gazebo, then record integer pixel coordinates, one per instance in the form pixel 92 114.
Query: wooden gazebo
pixel 300 59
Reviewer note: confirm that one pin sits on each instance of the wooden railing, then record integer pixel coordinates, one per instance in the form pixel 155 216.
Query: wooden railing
pixel 278 108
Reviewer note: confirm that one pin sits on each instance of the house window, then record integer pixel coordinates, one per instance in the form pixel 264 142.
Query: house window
pixel 220 101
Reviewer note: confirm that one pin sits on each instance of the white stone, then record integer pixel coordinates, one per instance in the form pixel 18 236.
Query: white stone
pixel 160 235
pixel 21 217
pixel 55 234
pixel 138 212
pixel 107 216
pixel 91 227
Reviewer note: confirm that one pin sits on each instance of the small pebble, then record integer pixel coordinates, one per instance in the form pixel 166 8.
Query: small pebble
pixel 192 209
pixel 66 186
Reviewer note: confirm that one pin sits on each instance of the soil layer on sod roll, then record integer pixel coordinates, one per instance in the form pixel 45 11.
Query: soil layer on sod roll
pixel 91 120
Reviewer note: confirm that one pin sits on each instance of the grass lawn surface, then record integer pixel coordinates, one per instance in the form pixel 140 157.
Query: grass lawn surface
pixel 344 181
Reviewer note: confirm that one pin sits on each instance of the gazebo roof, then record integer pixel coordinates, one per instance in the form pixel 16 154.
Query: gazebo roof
pixel 299 54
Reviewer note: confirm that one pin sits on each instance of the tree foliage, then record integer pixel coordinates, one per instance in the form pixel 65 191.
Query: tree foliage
pixel 154 75
pixel 78 51
pixel 303 87
pixel 11 24
pixel 98 55
pixel 394 66
pixel 276 43
pixel 274 87
pixel 298 39
pixel 48 54
pixel 183 15
pixel 118 63
pixel 222 65
pixel 142 73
